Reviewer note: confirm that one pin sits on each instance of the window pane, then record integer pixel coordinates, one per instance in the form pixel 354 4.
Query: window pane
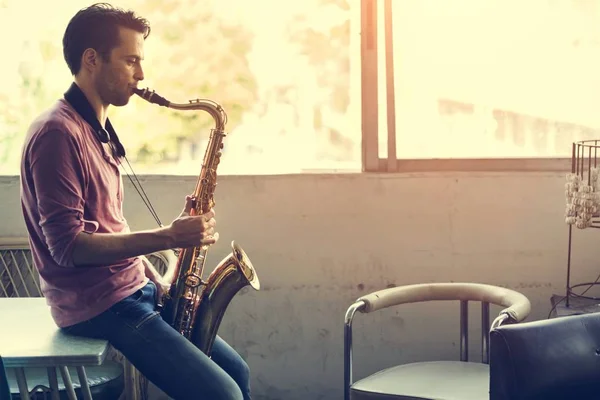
pixel 287 74
pixel 495 78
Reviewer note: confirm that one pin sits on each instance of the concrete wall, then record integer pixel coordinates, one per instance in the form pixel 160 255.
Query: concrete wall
pixel 320 241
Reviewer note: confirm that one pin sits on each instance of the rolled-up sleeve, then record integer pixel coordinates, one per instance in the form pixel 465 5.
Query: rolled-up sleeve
pixel 57 171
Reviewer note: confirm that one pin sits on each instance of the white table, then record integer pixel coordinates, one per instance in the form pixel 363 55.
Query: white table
pixel 30 338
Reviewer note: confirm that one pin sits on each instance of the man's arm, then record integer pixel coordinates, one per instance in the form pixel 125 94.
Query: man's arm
pixel 58 177
pixel 104 248
pixel 185 231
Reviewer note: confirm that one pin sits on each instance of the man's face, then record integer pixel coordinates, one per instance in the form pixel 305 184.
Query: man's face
pixel 122 70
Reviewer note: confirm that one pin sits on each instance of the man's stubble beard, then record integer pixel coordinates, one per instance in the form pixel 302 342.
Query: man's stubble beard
pixel 111 93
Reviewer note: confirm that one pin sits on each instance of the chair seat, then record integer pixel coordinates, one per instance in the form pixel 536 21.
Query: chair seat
pixel 106 381
pixel 439 380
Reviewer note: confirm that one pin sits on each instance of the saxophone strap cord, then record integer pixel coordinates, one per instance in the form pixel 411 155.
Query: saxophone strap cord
pixel 143 196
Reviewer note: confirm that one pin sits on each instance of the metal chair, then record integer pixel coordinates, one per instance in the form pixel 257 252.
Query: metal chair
pixel 439 380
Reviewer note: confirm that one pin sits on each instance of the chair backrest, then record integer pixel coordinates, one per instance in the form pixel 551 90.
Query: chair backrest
pixel 517 306
pixel 4 388
pixel 547 359
pixel 18 275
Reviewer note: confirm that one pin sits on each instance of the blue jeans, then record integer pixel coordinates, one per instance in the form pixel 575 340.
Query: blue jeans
pixel 164 356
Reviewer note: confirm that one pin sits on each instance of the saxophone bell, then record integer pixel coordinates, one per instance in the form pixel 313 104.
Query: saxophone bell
pixel 233 272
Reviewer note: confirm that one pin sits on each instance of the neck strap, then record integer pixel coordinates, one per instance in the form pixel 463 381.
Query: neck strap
pixel 75 96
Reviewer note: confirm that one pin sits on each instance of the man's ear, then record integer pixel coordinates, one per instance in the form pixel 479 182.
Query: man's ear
pixel 90 59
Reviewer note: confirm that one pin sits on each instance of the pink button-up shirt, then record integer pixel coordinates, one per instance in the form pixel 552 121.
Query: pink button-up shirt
pixel 70 183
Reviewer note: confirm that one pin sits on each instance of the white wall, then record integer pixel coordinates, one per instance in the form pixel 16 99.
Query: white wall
pixel 320 241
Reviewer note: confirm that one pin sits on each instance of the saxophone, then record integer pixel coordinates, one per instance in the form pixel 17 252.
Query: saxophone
pixel 192 306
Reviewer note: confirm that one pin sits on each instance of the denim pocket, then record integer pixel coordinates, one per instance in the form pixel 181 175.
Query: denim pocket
pixel 133 300
pixel 127 302
pixel 137 308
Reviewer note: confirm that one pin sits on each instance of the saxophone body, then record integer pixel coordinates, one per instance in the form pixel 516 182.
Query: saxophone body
pixel 194 306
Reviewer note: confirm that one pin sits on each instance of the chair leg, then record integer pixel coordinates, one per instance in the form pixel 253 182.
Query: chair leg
pixel 348 346
pixel 22 382
pixel 53 382
pixel 66 377
pixel 83 381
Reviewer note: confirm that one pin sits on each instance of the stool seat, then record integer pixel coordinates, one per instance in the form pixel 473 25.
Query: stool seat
pixel 106 381
pixel 436 380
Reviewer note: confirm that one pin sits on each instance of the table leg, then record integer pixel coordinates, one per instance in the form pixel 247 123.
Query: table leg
pixel 53 380
pixel 64 371
pixel 22 382
pixel 85 387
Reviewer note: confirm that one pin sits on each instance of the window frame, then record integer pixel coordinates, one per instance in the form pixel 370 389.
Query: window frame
pixel 371 161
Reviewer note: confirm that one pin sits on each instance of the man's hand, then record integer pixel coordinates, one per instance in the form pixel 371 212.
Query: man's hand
pixel 193 230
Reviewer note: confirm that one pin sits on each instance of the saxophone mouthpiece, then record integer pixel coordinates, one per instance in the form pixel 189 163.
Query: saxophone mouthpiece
pixel 151 97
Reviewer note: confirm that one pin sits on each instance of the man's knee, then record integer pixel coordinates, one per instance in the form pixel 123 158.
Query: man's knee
pixel 242 371
pixel 241 375
pixel 219 389
pixel 230 392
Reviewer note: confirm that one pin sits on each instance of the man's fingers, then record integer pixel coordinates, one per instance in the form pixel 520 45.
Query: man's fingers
pixel 208 215
pixel 210 224
pixel 210 239
pixel 189 204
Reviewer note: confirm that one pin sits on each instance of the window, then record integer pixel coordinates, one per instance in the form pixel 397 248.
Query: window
pixel 511 82
pixel 479 79
pixel 287 73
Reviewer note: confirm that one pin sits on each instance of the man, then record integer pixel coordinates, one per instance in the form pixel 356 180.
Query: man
pixel 92 270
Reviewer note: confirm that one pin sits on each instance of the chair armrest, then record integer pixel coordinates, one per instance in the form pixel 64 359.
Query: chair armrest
pixel 161 260
pixel 517 305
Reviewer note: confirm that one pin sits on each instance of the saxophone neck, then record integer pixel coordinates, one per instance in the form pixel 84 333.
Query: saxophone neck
pixel 213 108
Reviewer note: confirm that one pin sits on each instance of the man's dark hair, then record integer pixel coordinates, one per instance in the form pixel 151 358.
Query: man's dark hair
pixel 97 27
